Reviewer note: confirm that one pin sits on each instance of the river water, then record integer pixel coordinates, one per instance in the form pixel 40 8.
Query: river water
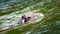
pixel 11 9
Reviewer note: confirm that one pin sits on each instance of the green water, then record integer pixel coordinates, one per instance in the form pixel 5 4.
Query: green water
pixel 50 24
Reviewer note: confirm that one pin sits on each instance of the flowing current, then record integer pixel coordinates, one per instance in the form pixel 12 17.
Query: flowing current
pixel 10 10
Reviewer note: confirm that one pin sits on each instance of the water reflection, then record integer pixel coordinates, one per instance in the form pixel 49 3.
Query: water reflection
pixel 13 8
